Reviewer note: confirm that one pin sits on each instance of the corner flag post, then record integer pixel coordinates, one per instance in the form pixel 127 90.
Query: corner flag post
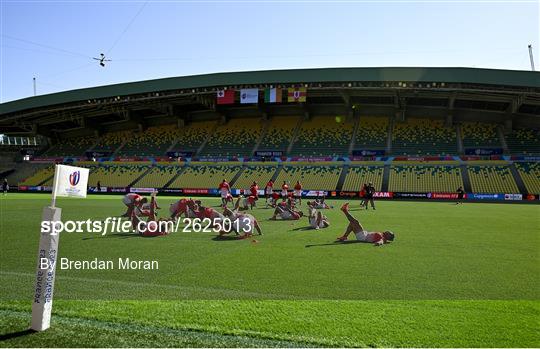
pixel 68 181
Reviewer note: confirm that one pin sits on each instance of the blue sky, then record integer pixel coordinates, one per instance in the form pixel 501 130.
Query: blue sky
pixel 56 40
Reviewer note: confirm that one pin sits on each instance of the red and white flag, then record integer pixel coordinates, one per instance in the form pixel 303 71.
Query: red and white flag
pixel 225 97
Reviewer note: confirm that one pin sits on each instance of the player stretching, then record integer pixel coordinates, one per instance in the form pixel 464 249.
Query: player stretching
pixel 298 192
pixel 286 212
pixel 244 203
pixel 242 224
pixel 361 234
pixel 284 191
pixel 316 219
pixel 268 190
pixel 225 190
pixel 132 200
pixel 152 226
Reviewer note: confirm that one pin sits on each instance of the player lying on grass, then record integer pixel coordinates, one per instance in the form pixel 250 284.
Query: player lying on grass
pixel 132 200
pixel 286 212
pixel 242 224
pixel 202 212
pixel 316 219
pixel 245 203
pixel 361 234
pixel 182 207
pixel 320 204
pixel 152 226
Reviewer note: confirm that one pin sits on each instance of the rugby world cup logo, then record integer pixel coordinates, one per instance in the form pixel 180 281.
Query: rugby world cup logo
pixel 74 178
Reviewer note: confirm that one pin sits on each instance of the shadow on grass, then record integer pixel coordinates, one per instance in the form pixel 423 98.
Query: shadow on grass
pixel 5 337
pixel 115 236
pixel 226 238
pixel 335 243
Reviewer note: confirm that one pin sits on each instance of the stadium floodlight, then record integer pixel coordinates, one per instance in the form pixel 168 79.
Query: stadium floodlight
pixel 69 181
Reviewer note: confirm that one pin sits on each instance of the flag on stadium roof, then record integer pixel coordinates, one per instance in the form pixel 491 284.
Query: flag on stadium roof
pixel 272 95
pixel 249 95
pixel 296 94
pixel 225 97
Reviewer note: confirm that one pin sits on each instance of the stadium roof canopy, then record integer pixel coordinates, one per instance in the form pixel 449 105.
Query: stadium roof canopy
pixel 498 95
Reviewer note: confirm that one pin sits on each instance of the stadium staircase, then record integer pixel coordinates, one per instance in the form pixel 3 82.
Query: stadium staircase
pixel 389 136
pixel 459 138
pixel 203 144
pixel 519 181
pixel 342 177
pixel 236 176
pixel 276 174
pixel 500 133
pixel 141 176
pixel 94 145
pixel 261 137
pixel 295 135
pixel 117 150
pixel 386 178
pixel 175 177
pixel 355 132
pixel 466 179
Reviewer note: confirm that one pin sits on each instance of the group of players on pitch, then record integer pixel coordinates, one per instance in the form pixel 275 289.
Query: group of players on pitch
pixel 285 206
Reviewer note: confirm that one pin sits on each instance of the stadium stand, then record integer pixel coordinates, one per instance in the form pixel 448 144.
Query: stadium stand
pixel 39 177
pixel 523 142
pixel 70 147
pixel 424 178
pixel 192 136
pixel 323 136
pixel 158 176
pixel 279 134
pixel 236 138
pixel 479 134
pixel 24 170
pixel 111 175
pixel 111 141
pixel 359 175
pixel 153 141
pixel 530 174
pixel 260 174
pixel 423 137
pixel 205 176
pixel 492 179
pixel 311 177
pixel 372 133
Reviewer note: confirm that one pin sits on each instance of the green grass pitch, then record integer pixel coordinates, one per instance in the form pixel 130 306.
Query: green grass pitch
pixel 456 276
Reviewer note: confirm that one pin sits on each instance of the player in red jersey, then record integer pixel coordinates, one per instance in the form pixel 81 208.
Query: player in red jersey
pixel 268 190
pixel 132 200
pixel 284 191
pixel 225 190
pixel 298 192
pixel 286 212
pixel 181 207
pixel 316 219
pixel 152 226
pixel 242 224
pixel 274 199
pixel 377 238
pixel 245 203
pixel 254 190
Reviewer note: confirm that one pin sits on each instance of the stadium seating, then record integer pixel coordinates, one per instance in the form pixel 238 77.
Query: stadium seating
pixel 311 177
pixel 152 142
pixel 70 147
pixel 425 178
pixel 492 179
pixel 192 136
pixel 39 177
pixel 204 176
pixel 530 173
pixel 260 174
pixel 372 133
pixel 116 175
pixel 279 134
pixel 523 142
pixel 359 175
pixel 423 137
pixel 479 134
pixel 158 176
pixel 323 136
pixel 23 171
pixel 236 138
pixel 111 141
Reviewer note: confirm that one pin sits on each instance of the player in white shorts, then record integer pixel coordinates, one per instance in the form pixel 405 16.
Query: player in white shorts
pixel 132 200
pixel 242 224
pixel 316 219
pixel 225 190
pixel 377 238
